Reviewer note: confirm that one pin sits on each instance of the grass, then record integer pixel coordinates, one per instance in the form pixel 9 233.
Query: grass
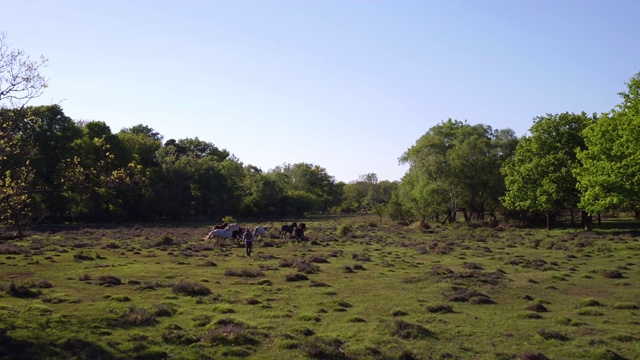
pixel 350 291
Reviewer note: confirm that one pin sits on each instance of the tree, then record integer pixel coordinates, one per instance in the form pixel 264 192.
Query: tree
pixel 609 177
pixel 454 167
pixel 321 189
pixel 143 142
pixel 51 157
pixel 539 178
pixel 20 82
pixel 111 186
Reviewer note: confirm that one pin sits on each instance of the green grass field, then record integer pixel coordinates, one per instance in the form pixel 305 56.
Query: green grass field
pixel 355 289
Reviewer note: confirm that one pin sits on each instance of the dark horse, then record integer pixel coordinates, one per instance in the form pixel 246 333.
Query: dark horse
pixel 220 226
pixel 288 229
pixel 298 232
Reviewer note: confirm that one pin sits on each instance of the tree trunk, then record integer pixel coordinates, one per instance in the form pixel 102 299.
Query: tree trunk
pixel 586 224
pixel 548 220
pixel 467 217
pixel 573 222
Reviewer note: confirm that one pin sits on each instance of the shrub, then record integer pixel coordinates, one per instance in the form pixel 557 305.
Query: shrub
pixel 176 335
pixel 22 291
pixel 165 240
pixel 356 319
pixel 230 332
pixel 309 317
pixel 296 277
pixel 532 356
pixel 344 229
pixel 120 298
pixel 307 267
pixel 165 309
pixel 81 255
pixel 229 219
pixel 12 249
pixel 552 335
pixel 318 259
pixel 44 284
pixel 408 331
pixel 399 312
pixel 590 302
pixel 136 316
pixel 536 308
pixel 442 309
pixel 612 274
pixel 190 289
pixel 244 273
pixel 210 263
pixel 108 280
pixel 322 348
pixel 361 257
pixel 481 300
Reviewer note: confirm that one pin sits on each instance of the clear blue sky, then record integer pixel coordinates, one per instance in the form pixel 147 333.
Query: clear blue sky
pixel 348 85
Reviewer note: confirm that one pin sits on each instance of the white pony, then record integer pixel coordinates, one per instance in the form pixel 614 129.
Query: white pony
pixel 226 233
pixel 260 231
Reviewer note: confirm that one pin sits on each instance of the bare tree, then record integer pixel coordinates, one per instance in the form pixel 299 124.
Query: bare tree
pixel 20 82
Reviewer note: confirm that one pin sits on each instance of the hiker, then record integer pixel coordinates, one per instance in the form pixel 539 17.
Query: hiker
pixel 248 239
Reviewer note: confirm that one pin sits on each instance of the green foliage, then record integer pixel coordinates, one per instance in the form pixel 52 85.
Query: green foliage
pixel 539 178
pixel 609 177
pixel 344 229
pixel 455 167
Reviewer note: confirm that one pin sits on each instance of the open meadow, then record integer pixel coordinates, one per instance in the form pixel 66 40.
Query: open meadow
pixel 355 289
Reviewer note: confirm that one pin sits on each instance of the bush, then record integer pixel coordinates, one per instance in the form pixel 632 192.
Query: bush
pixel 552 335
pixel 229 219
pixel 296 277
pixel 590 302
pixel 137 317
pixel 409 331
pixel 190 289
pixel 81 255
pixel 441 309
pixel 22 291
pixel 344 229
pixel 165 240
pixel 108 280
pixel 244 273
pixel 320 348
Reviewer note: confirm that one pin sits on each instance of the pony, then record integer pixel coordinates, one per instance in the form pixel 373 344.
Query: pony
pixel 260 231
pixel 220 226
pixel 298 233
pixel 287 229
pixel 226 233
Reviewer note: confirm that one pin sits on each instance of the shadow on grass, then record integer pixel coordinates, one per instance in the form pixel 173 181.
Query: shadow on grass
pixel 13 349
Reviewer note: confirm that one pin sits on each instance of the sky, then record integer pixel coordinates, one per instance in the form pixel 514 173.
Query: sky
pixel 347 85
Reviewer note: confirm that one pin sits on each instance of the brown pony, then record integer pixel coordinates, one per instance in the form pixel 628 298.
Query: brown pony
pixel 220 226
pixel 288 229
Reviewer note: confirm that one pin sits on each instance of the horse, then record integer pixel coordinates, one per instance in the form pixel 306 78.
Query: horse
pixel 298 232
pixel 226 233
pixel 219 226
pixel 260 231
pixel 287 229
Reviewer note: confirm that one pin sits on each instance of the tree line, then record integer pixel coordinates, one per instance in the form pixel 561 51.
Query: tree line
pixel 54 168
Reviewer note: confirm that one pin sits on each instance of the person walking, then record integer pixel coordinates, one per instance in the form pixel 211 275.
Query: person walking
pixel 248 238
